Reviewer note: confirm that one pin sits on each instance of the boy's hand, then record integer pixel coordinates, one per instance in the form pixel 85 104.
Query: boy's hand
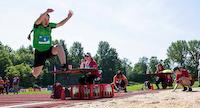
pixel 29 37
pixel 70 13
pixel 49 10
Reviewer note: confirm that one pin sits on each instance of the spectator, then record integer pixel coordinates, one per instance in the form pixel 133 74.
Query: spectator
pixel 15 85
pixel 147 85
pixel 120 81
pixel 1 86
pixel 88 63
pixel 160 77
pixel 57 88
pixel 199 71
pixel 7 85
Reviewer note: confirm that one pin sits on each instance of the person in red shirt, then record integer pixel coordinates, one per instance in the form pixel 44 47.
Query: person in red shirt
pixel 183 78
pixel 1 86
pixel 7 85
pixel 160 77
pixel 57 89
pixel 89 63
pixel 120 81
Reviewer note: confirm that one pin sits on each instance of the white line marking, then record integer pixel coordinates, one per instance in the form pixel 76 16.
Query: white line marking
pixel 26 105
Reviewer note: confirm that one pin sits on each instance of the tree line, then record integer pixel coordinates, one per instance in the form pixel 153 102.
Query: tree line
pixel 19 62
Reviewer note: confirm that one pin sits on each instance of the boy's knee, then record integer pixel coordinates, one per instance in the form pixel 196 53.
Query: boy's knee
pixel 59 47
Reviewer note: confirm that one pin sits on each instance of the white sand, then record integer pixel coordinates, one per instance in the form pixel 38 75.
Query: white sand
pixel 163 99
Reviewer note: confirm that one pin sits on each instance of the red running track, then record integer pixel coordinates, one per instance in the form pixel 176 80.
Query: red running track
pixel 12 100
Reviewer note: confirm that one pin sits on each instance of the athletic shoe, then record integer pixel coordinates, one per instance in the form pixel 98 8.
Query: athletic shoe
pixel 125 90
pixel 190 89
pixel 184 89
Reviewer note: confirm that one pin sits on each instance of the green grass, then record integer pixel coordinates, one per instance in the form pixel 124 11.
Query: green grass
pixel 196 84
pixel 138 86
pixel 135 87
pixel 36 92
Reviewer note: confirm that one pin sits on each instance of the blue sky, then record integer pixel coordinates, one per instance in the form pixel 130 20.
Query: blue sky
pixel 135 28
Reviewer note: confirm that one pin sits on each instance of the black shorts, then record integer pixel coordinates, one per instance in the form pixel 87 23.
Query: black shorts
pixel 40 57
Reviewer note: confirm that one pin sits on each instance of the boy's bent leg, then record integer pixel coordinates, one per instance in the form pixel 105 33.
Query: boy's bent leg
pixel 189 88
pixel 37 71
pixel 59 51
pixel 158 82
pixel 182 83
pixel 124 84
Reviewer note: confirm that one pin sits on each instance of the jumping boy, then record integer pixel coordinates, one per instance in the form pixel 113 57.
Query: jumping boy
pixel 42 42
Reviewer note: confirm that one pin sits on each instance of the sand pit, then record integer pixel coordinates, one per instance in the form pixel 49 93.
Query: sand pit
pixel 162 99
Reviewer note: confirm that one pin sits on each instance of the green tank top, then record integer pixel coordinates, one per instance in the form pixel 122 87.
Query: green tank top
pixel 42 40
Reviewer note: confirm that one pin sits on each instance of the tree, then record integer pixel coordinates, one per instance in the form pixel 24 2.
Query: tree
pixel 139 70
pixel 46 78
pixel 153 61
pixel 76 52
pixel 5 60
pixel 24 55
pixel 167 63
pixel 108 61
pixel 126 66
pixel 21 70
pixel 193 58
pixel 178 51
pixel 102 53
pixel 141 66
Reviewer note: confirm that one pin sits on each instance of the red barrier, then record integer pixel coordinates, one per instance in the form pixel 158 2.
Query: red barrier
pixel 92 91
pixel 62 97
pixel 96 91
pixel 86 91
pixel 107 90
pixel 75 92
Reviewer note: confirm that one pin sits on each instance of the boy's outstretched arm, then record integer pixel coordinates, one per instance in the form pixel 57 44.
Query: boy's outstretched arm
pixel 65 20
pixel 42 16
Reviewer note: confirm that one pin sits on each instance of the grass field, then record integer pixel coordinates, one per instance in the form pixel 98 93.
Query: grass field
pixel 138 86
pixel 135 87
pixel 36 92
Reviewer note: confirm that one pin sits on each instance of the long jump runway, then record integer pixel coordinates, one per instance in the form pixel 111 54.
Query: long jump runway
pixel 44 100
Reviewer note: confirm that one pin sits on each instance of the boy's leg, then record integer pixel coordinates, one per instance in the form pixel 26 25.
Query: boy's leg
pixel 199 77
pixel 37 71
pixel 184 88
pixel 189 88
pixel 183 83
pixel 123 85
pixel 158 82
pixel 39 61
pixel 6 89
pixel 59 51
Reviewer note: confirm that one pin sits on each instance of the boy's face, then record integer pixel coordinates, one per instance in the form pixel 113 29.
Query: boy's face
pixel 45 22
